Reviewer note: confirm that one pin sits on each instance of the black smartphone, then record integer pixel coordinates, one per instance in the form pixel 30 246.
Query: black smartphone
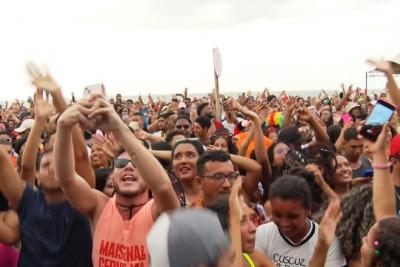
pixel 380 115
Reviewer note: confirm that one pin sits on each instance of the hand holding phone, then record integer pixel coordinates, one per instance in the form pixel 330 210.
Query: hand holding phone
pixel 94 89
pixel 381 114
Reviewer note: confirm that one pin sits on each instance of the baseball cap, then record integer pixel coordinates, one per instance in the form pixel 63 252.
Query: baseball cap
pixel 395 147
pixel 351 105
pixel 187 237
pixel 25 125
pixel 290 135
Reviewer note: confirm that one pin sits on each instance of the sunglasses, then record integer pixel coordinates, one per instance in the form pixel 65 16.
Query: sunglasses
pixel 121 163
pixel 184 126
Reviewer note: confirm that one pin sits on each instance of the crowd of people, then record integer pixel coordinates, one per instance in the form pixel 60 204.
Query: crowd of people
pixel 266 180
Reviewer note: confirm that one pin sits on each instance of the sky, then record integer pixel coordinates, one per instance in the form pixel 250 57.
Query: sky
pixel 162 46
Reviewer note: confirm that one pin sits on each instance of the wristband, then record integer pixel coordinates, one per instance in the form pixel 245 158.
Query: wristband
pixel 381 166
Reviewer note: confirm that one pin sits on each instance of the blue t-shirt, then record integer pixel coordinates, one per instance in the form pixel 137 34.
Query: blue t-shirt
pixel 52 235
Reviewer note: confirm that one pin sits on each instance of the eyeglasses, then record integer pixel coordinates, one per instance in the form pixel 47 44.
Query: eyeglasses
pixel 121 163
pixel 220 177
pixel 182 126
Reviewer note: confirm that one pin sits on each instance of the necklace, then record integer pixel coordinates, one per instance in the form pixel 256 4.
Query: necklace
pixel 129 208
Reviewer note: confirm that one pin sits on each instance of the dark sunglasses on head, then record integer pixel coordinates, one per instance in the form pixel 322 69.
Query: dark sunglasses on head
pixel 121 163
pixel 182 126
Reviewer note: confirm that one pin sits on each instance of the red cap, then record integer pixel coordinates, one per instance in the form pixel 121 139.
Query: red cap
pixel 395 147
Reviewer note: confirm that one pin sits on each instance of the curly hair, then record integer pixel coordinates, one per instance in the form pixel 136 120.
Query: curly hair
pixel 388 236
pixel 357 219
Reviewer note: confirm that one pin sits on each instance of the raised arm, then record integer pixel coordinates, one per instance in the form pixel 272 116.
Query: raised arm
pixel 150 169
pixel 235 218
pixel 11 185
pixel 340 141
pixel 48 84
pixel 287 114
pixel 383 197
pixel 346 96
pixel 320 181
pixel 386 68
pixel 320 133
pixel 43 111
pixel 245 145
pixel 79 193
pixel 326 234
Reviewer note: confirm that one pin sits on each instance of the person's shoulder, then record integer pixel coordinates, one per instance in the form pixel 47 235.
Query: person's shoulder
pixel 267 228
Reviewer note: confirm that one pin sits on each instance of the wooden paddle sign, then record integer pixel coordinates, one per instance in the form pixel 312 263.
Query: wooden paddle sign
pixel 217 62
pixel 217 74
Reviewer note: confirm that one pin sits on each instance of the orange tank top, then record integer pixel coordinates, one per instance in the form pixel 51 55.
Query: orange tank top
pixel 122 243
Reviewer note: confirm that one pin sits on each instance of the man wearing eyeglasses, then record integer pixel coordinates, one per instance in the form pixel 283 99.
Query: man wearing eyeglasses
pixel 215 176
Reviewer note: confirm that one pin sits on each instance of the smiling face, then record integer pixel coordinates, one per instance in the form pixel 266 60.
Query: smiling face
pixel 184 162
pixel 98 158
pixel 126 179
pixel 344 173
pixel 290 216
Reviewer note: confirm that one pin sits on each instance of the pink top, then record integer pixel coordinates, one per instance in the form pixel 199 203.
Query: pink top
pixel 122 243
pixel 8 256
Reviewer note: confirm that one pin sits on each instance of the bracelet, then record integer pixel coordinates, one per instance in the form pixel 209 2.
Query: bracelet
pixel 381 166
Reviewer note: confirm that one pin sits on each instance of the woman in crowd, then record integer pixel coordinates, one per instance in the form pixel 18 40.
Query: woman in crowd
pixel 343 176
pixel 185 154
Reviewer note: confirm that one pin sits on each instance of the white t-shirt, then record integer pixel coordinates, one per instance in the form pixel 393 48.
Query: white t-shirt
pixel 286 254
pixel 230 126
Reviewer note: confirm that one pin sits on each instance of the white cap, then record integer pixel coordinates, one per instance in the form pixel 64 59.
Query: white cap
pixel 25 125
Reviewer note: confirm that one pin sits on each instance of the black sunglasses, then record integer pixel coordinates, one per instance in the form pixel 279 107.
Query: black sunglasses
pixel 121 163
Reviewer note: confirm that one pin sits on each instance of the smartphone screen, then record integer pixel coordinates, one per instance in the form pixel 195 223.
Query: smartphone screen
pixel 380 114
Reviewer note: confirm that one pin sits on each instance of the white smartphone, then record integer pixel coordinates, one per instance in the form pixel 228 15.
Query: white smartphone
pixel 94 88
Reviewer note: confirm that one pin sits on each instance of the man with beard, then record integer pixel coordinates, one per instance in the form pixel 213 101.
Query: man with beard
pixel 120 223
pixel 205 109
pixel 215 176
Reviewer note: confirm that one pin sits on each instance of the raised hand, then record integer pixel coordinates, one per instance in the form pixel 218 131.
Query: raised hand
pixel 76 114
pixel 103 115
pixel 42 108
pixel 319 180
pixel 40 80
pixel 236 201
pixel 109 145
pixel 329 222
pixel 304 114
pixel 381 65
pixel 382 142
